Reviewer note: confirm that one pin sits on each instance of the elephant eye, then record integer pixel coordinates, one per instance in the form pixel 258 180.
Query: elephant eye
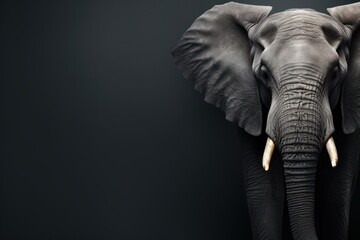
pixel 264 73
pixel 336 72
pixel 337 68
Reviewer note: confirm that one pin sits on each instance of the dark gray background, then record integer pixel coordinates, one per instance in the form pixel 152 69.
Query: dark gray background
pixel 102 138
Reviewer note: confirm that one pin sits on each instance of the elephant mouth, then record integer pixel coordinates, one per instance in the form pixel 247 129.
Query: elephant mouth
pixel 270 147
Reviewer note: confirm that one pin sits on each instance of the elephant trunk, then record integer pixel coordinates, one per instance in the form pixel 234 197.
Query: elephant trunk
pixel 300 173
pixel 300 138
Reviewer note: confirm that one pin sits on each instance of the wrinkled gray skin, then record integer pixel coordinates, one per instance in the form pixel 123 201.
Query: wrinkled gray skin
pixel 294 77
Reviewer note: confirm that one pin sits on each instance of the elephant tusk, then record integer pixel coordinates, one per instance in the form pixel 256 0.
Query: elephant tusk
pixel 331 148
pixel 268 152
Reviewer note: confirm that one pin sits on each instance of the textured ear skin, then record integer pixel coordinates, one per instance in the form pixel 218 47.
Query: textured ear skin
pixel 215 54
pixel 349 15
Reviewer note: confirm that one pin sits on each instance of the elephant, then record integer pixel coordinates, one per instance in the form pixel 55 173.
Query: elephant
pixel 291 82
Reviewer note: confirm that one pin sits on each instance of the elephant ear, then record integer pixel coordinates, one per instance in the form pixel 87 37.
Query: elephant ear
pixel 349 15
pixel 215 54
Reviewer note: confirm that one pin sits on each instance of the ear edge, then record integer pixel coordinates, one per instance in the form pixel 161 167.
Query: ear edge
pixel 351 18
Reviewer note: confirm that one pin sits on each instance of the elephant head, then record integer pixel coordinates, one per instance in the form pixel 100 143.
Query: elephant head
pixel 281 74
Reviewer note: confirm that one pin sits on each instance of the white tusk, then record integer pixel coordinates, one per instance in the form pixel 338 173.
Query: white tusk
pixel 268 152
pixel 331 148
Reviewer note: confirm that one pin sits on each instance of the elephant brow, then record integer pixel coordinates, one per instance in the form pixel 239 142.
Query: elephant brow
pixel 298 66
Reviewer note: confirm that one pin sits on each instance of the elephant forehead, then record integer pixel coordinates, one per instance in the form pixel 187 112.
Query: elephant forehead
pixel 299 24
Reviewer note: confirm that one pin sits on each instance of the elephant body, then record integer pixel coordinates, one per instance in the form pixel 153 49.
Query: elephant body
pixel 291 81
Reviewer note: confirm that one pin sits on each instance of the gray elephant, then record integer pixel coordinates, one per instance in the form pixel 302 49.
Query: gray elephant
pixel 291 81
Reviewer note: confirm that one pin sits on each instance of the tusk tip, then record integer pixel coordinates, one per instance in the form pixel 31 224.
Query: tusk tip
pixel 268 152
pixel 331 148
pixel 266 168
pixel 334 163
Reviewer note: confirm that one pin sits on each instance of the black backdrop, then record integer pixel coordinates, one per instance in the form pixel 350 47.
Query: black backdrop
pixel 102 138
